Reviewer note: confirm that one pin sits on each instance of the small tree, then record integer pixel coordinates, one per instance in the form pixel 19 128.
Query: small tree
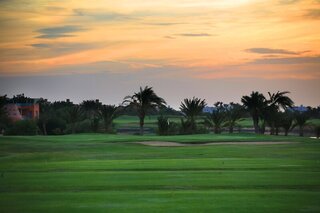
pixel 234 112
pixel 286 122
pixel 74 114
pixel 92 110
pixel 191 109
pixel 142 102
pixel 301 119
pixel 217 118
pixel 108 113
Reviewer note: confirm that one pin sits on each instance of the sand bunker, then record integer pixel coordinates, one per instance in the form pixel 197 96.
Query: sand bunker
pixel 174 144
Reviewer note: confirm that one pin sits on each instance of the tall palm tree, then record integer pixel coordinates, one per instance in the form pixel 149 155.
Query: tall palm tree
pixel 108 113
pixel 143 101
pixel 280 100
pixel 74 115
pixel 255 104
pixel 191 108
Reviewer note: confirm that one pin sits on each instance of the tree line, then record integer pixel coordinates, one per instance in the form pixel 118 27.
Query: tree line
pixel 61 117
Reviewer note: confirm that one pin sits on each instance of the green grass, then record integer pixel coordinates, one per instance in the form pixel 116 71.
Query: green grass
pixel 109 173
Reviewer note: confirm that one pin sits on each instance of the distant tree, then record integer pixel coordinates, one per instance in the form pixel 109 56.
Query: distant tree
pixel 21 98
pixel 4 119
pixel 316 128
pixel 234 112
pixel 46 112
pixel 255 104
pixel 276 102
pixel 142 102
pixel 217 118
pixel 91 109
pixel 108 113
pixel 191 109
pixel 74 114
pixel 286 121
pixel 301 119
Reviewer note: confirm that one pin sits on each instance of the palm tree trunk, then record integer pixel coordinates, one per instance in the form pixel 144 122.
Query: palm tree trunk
pixel 301 131
pixel 286 132
pixel 141 125
pixel 256 125
pixel 44 128
pixel 231 129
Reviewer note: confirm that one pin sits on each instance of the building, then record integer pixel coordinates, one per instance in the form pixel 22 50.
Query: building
pixel 22 111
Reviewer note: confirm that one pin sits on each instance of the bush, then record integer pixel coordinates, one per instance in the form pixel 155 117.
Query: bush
pixel 165 127
pixel 56 126
pixel 23 127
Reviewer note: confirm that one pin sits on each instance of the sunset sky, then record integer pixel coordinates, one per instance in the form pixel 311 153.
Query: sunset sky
pixel 213 49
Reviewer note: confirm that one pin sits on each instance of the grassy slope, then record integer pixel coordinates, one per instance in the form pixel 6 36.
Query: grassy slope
pixel 89 173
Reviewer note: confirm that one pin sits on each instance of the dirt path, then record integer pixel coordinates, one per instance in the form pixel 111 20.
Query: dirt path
pixel 174 144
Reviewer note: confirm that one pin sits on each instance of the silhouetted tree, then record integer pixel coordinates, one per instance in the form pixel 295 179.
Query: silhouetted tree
pixel 301 119
pixel 108 113
pixel 74 114
pixel 191 109
pixel 255 104
pixel 91 109
pixel 234 112
pixel 143 101
pixel 217 118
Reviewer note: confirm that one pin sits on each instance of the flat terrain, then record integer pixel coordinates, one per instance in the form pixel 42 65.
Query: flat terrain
pixel 112 173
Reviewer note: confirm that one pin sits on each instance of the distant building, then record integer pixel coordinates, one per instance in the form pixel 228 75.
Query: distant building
pixel 22 111
pixel 300 108
pixel 208 109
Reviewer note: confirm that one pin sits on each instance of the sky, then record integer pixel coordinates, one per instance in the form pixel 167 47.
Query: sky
pixel 218 50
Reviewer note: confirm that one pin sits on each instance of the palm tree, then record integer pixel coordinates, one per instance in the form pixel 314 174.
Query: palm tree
pixel 143 101
pixel 74 115
pixel 91 109
pixel 255 104
pixel 301 119
pixel 108 113
pixel 217 118
pixel 234 113
pixel 276 102
pixel 191 108
pixel 286 122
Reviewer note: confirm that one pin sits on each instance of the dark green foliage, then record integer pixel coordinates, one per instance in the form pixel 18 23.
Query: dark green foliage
pixel 316 128
pixel 166 127
pixel 217 118
pixel 286 121
pixel 23 127
pixel 255 104
pixel 108 113
pixel 74 115
pixel 191 109
pixel 300 119
pixel 91 109
pixel 234 113
pixel 142 102
pixel 56 126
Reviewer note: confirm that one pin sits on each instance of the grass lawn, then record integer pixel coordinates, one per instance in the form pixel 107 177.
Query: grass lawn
pixel 109 173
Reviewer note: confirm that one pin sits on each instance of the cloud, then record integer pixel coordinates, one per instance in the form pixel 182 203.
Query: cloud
pixel 57 32
pixel 194 34
pixel 288 1
pixel 292 60
pixel 272 51
pixel 100 15
pixel 164 23
pixel 314 13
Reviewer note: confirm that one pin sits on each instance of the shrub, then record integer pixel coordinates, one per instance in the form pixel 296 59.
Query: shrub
pixel 165 127
pixel 23 127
